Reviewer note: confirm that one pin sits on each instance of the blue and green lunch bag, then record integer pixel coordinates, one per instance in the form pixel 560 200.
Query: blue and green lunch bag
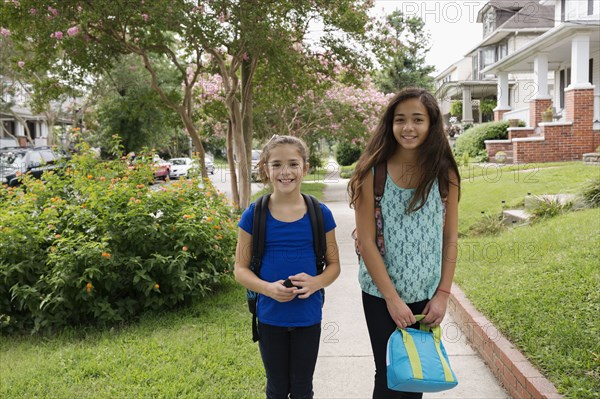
pixel 417 360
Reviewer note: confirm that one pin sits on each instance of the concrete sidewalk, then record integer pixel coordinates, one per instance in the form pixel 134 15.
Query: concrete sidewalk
pixel 345 367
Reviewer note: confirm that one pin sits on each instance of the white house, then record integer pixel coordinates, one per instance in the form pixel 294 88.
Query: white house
pixel 21 127
pixel 568 54
pixel 507 26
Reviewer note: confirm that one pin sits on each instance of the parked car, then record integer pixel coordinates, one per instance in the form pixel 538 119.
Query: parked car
pixel 162 168
pixel 180 167
pixel 16 162
pixel 209 165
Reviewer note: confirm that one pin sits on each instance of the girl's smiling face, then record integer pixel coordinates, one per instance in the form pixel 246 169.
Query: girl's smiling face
pixel 411 123
pixel 285 168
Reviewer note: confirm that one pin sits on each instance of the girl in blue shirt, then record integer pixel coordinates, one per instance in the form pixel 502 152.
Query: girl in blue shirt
pixel 420 224
pixel 289 319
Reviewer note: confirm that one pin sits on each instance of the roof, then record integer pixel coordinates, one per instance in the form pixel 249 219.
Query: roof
pixel 556 43
pixel 531 17
pixel 527 20
pixel 513 5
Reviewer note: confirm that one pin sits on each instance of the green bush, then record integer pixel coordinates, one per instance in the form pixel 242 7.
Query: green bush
pixel 315 161
pixel 347 153
pixel 591 193
pixel 548 208
pixel 472 141
pixel 98 245
pixel 489 225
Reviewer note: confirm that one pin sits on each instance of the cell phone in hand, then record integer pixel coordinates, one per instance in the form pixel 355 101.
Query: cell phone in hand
pixel 288 283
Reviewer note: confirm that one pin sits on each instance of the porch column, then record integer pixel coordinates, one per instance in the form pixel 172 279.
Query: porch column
pixel 580 55
pixel 542 99
pixel 467 109
pixel 540 73
pixel 19 128
pixel 503 95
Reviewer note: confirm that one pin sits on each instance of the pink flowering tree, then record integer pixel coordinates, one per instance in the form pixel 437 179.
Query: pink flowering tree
pixel 336 111
pixel 76 37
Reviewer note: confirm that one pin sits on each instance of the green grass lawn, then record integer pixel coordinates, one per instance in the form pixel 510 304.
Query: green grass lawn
pixel 484 188
pixel 540 285
pixel 202 351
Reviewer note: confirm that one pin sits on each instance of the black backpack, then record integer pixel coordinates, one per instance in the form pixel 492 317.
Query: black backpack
pixel 315 214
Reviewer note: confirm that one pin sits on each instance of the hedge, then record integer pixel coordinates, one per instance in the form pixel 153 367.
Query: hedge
pixel 97 245
pixel 472 141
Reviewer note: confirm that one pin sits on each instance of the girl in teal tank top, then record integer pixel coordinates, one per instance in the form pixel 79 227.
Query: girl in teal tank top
pixel 420 223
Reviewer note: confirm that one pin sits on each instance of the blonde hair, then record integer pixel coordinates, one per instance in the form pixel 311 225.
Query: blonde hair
pixel 277 141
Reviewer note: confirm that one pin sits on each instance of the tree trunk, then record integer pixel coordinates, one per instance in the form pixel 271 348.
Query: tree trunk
pixel 193 133
pixel 235 194
pixel 247 111
pixel 235 115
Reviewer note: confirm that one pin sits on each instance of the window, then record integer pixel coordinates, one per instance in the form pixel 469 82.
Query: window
pixel 488 57
pixel 563 10
pixel 9 128
pixel 591 71
pixel 590 8
pixel 565 81
pixel 501 51
pixel 475 66
pixel 32 129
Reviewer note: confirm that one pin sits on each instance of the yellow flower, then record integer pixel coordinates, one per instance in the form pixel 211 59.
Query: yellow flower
pixel 156 286
pixel 90 177
pixel 106 255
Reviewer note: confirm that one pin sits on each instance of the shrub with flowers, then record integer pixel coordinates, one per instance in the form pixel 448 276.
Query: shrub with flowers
pixel 96 244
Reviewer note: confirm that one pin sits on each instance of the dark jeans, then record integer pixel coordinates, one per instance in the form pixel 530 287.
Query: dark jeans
pixel 289 355
pixel 381 326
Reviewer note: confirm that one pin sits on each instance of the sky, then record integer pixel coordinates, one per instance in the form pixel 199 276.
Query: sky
pixel 452 25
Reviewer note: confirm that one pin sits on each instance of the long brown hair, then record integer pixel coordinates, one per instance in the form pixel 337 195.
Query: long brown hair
pixel 435 158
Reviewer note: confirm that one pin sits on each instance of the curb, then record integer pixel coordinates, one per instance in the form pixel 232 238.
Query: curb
pixel 519 377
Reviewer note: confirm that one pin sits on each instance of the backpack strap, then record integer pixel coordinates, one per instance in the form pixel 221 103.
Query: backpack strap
pixel 259 224
pixel 317 223
pixel 378 189
pixel 315 213
pixel 258 232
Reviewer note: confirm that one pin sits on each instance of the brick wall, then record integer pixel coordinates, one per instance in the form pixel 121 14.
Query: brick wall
pixel 519 133
pixel 562 141
pixel 536 107
pixel 579 108
pixel 493 147
pixel 498 115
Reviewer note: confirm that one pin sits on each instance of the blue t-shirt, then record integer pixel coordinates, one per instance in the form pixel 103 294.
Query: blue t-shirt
pixel 288 251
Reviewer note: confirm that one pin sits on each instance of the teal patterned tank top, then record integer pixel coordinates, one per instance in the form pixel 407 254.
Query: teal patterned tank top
pixel 413 244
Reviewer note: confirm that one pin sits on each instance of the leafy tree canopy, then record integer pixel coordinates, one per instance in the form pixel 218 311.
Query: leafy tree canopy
pixel 403 61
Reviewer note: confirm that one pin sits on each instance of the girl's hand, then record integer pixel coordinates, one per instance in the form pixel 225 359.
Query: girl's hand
pixel 280 292
pixel 308 285
pixel 435 310
pixel 400 312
